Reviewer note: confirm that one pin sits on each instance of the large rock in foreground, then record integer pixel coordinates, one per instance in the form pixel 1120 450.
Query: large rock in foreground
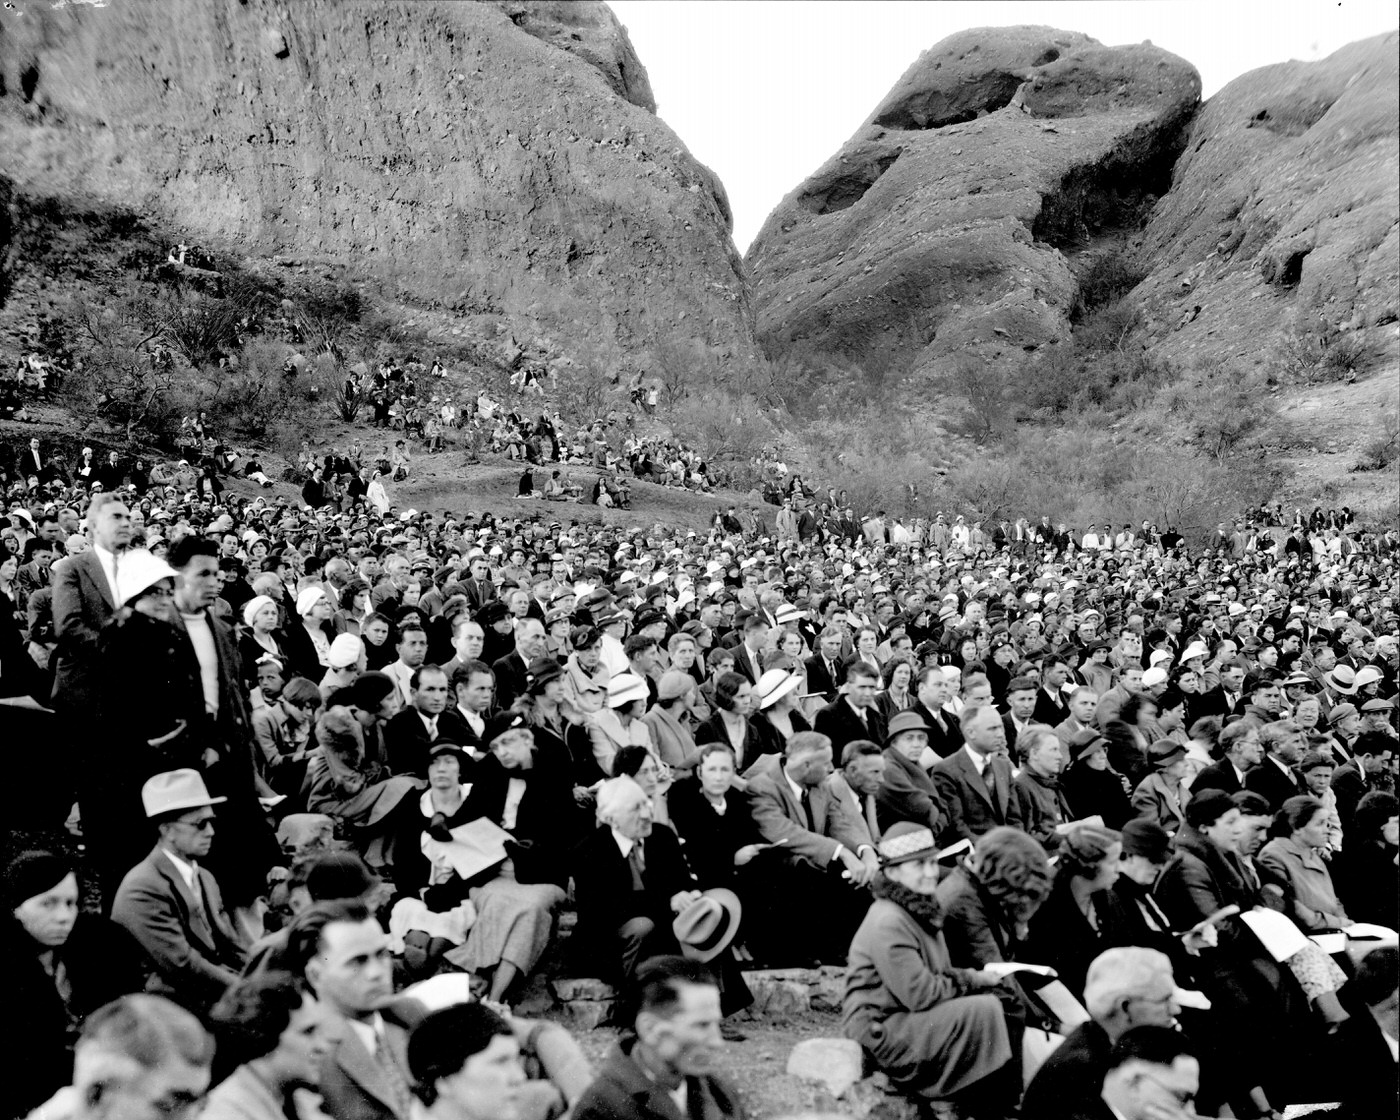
pixel 500 157
pixel 1283 213
pixel 943 224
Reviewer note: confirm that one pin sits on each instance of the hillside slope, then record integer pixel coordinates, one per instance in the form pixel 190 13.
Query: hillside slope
pixel 502 159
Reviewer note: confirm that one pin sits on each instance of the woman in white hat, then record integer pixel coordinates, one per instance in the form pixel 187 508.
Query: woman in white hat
pixel 620 724
pixel 308 639
pixel 259 636
pixel 778 716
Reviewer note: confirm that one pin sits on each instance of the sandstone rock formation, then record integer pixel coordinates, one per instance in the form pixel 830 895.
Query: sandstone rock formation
pixel 499 158
pixel 943 225
pixel 1283 212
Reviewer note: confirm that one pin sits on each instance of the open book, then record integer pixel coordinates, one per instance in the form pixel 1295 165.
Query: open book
pixel 1276 932
pixel 475 847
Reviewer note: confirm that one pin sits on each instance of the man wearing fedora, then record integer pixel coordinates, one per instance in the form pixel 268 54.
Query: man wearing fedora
pixel 171 904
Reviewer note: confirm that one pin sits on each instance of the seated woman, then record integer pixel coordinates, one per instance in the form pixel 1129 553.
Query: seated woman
pixel 282 730
pixel 1080 918
pixel 1294 859
pixel 1366 870
pixel 62 964
pixel 671 719
pixel 270 1038
pixel 259 636
pixel 1159 797
pixel 1090 786
pixel 938 1032
pixel 308 639
pixel 988 901
pixel 779 716
pixel 517 791
pixel 895 697
pixel 734 701
pixel 712 817
pixel 620 723
pixel 1129 735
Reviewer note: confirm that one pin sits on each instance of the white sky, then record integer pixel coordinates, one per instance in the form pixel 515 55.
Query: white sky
pixel 763 91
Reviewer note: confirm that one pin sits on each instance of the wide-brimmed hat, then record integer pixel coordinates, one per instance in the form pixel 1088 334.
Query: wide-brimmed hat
pixel 774 685
pixel 787 613
pixel 1194 650
pixel 624 689
pixel 906 840
pixel 1368 674
pixel 902 722
pixel 707 926
pixel 1342 679
pixel 1082 742
pixel 174 792
pixel 541 671
pixel 140 571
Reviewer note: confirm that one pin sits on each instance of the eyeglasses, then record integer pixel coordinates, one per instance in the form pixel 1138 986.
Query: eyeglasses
pixel 204 824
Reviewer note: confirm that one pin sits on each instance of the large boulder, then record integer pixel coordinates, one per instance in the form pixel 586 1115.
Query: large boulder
pixel 944 224
pixel 499 158
pixel 1283 212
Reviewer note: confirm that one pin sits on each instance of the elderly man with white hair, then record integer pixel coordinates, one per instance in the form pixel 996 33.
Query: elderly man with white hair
pixel 1126 988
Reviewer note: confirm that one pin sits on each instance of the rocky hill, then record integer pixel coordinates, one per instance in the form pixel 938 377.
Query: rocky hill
pixel 944 224
pixel 502 160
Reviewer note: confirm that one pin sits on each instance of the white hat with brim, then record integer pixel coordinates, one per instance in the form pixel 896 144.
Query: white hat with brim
pixel 139 571
pixel 175 791
pixel 1194 650
pixel 774 685
pixel 308 598
pixel 624 689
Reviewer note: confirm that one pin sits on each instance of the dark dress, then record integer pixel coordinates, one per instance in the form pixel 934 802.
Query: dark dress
pixel 1061 936
pixel 100 962
pixel 1097 792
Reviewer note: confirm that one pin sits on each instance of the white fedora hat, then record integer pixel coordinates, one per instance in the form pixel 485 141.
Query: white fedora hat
pixel 174 792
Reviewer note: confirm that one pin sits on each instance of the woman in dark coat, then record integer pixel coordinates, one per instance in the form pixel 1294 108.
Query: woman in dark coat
pixel 718 845
pixel 1081 918
pixel 1090 786
pixel 62 965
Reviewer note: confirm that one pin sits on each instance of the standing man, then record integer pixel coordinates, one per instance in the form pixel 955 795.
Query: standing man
pixel 85 596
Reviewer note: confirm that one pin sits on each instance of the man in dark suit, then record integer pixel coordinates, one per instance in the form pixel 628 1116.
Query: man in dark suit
pixel 906 791
pixel 854 715
pixel 472 722
pixel 171 904
pixel 824 666
pixel 409 734
pixel 748 652
pixel 342 952
pixel 1226 698
pixel 646 1073
pixel 820 854
pixel 975 784
pixel 1274 779
pixel 1371 754
pixel 630 881
pixel 84 598
pixel 512 669
pixel 1050 707
pixel 1240 744
pixel 478 587
pixel 944 730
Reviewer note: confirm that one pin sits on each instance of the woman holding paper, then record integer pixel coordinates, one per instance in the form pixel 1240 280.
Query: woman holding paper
pixel 532 801
pixel 936 1031
pixel 1294 859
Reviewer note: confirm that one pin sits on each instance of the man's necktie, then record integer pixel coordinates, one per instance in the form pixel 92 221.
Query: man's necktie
pixel 393 1076
pixel 636 863
pixel 807 810
pixel 199 913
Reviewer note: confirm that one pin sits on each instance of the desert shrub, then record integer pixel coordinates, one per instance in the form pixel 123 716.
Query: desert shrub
pixel 1383 448
pixel 1107 280
pixel 1318 353
pixel 989 394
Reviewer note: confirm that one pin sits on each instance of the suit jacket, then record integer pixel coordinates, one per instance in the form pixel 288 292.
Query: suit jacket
pixel 742 665
pixel 820 679
pixel 944 730
pixel 779 817
pixel 1153 801
pixel 82 605
pixel 1215 703
pixel 1273 784
pixel 907 793
pixel 623 1091
pixel 406 743
pixel 1350 785
pixel 1049 710
pixel 839 723
pixel 353 1085
pixel 196 955
pixel 1218 775
pixel 510 673
pixel 972 810
pixel 863 810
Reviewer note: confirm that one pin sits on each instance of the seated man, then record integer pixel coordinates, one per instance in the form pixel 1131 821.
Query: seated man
pixel 1126 988
pixel 172 905
pixel 815 883
pixel 1152 1074
pixel 671 1057
pixel 139 1056
pixel 975 783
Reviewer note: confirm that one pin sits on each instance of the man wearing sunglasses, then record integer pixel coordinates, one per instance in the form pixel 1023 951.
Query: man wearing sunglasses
pixel 171 903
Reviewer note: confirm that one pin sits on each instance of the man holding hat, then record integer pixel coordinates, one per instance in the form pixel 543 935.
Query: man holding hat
pixel 171 904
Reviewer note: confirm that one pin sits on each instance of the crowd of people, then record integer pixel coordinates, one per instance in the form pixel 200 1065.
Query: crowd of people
pixel 328 756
